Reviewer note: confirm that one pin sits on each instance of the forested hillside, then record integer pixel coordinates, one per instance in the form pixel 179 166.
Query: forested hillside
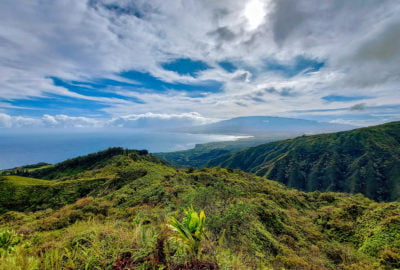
pixel 365 160
pixel 134 212
pixel 201 154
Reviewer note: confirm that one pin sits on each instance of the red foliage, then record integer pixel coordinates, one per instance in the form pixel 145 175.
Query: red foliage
pixel 196 265
pixel 124 262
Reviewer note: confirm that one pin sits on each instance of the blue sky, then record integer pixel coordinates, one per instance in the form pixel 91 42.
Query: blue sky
pixel 100 62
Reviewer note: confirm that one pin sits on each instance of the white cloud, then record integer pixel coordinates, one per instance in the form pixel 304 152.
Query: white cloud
pixel 7 121
pixel 157 121
pixel 147 121
pixel 59 121
pixel 83 40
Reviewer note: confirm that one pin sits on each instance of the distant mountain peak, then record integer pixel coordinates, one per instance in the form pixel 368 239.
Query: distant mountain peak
pixel 268 125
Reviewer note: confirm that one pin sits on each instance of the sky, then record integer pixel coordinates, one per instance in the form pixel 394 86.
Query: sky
pixel 129 63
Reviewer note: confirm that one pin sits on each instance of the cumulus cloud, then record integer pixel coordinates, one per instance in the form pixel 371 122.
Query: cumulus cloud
pixel 147 121
pixel 8 121
pixel 5 120
pixel 156 121
pixel 84 41
pixel 46 121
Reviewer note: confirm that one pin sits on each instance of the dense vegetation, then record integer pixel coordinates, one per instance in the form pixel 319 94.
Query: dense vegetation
pixel 134 212
pixel 77 165
pixel 365 160
pixel 199 156
pixel 23 169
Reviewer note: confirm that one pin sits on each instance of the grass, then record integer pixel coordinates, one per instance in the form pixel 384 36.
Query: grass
pixel 24 181
pixel 118 214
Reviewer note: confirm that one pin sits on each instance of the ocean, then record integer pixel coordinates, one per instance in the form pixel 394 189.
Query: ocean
pixel 23 146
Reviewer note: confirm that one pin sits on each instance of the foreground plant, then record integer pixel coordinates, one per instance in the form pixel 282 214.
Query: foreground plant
pixel 8 241
pixel 190 231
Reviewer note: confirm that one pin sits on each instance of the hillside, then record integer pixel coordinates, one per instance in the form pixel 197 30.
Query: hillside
pixel 118 215
pixel 79 164
pixel 201 154
pixel 267 126
pixel 365 160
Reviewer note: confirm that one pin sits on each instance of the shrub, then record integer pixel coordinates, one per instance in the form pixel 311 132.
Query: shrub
pixel 8 241
pixel 190 231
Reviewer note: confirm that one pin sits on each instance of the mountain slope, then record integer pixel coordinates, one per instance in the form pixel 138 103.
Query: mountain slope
pixel 365 160
pixel 251 222
pixel 201 154
pixel 26 194
pixel 268 126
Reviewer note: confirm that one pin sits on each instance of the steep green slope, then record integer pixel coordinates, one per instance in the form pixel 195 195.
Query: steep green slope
pixel 251 222
pixel 365 160
pixel 199 156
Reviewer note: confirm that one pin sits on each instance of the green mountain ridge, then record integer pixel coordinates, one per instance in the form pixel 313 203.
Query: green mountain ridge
pixel 79 164
pixel 365 160
pixel 201 154
pixel 115 213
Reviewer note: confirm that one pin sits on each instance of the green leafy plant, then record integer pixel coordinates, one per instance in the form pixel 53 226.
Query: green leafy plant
pixel 190 231
pixel 8 240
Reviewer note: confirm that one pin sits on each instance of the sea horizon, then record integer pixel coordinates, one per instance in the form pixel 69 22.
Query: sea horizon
pixel 20 147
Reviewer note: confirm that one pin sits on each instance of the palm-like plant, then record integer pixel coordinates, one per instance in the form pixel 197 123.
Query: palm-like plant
pixel 190 231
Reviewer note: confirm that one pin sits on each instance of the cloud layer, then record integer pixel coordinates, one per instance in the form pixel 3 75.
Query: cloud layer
pixel 117 60
pixel 148 121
